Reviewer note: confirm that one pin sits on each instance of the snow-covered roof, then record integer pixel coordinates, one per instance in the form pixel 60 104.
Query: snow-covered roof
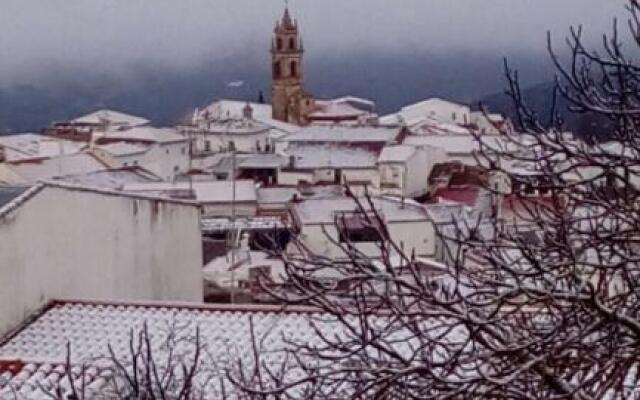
pixel 24 146
pixel 224 273
pixel 276 195
pixel 112 178
pixel 434 108
pixel 110 117
pixel 344 134
pixel 205 191
pixel 263 160
pixel 336 110
pixel 224 109
pixel 47 168
pixel 357 102
pixel 237 126
pixel 31 359
pixel 396 153
pixel 123 149
pixel 432 126
pixel 331 156
pixel 453 144
pixel 146 134
pixel 240 223
pixel 322 210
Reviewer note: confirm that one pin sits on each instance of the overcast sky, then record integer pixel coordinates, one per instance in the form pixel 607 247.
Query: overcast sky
pixel 106 35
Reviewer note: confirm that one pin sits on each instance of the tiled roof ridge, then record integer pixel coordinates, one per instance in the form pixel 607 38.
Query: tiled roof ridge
pixel 185 305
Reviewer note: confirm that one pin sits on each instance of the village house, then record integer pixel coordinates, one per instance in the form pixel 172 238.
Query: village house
pixel 59 240
pixel 404 169
pixel 82 128
pixel 320 222
pixel 163 151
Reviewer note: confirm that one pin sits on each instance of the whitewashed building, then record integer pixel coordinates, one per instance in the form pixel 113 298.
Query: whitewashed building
pixel 404 170
pixel 163 151
pixel 67 241
pixel 320 221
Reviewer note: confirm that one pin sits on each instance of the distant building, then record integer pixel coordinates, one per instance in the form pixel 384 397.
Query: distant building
pixel 291 103
pixel 66 241
pixel 83 127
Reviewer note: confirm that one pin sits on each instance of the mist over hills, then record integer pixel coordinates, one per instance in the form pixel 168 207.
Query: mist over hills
pixel 166 95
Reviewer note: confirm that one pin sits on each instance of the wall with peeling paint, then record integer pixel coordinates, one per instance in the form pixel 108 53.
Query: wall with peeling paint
pixel 70 243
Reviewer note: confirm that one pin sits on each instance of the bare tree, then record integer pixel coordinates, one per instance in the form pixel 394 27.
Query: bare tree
pixel 540 302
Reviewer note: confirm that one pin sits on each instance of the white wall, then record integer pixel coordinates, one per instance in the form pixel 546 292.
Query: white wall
pixel 79 244
pixel 418 235
pixel 293 177
pixel 244 143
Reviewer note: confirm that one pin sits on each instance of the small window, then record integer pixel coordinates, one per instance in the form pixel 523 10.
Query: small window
pixel 453 116
pixel 167 151
pixel 279 43
pixel 356 228
pixel 183 150
pixel 124 164
pixel 294 69
pixel 135 162
pixel 277 70
pixel 292 43
pixel 207 145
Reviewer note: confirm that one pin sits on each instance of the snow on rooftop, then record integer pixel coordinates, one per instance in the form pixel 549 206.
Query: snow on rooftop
pixel 112 178
pixel 47 168
pixel 110 117
pixel 145 134
pixel 242 223
pixel 237 126
pixel 331 109
pixel 322 210
pixel 123 149
pixel 331 156
pixel 344 133
pixel 276 195
pixel 205 192
pixel 90 327
pixel 453 144
pixel 24 146
pixel 263 160
pixel 224 109
pixel 396 153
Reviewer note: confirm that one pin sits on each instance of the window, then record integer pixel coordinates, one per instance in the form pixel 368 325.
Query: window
pixel 277 71
pixel 207 145
pixel 135 162
pixel 124 164
pixel 357 227
pixel 167 151
pixel 292 43
pixel 453 116
pixel 183 150
pixel 294 69
pixel 279 43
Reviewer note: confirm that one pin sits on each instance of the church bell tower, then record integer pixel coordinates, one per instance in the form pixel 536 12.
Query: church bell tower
pixel 289 101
